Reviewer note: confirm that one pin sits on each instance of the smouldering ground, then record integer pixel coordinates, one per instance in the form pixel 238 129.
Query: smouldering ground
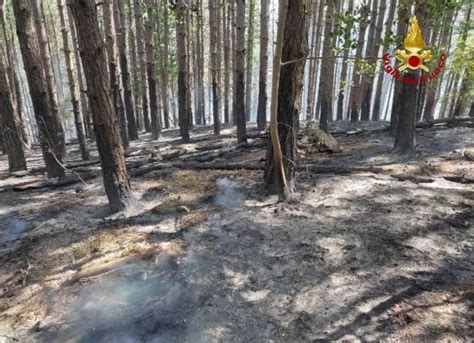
pixel 359 256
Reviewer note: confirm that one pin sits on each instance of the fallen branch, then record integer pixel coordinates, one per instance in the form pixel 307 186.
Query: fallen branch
pixel 109 266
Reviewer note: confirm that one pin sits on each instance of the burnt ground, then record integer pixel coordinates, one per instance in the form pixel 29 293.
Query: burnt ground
pixel 379 253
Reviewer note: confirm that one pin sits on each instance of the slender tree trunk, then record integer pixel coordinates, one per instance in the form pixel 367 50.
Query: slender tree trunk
pixel 248 79
pixel 381 74
pixel 9 126
pixel 80 77
pixel 317 106
pixel 182 71
pixel 402 26
pixel 109 144
pixel 213 51
pixel 141 53
pixel 165 63
pixel 327 72
pixel 467 74
pixel 233 33
pixel 150 26
pixel 72 82
pixel 375 34
pixel 312 72
pixel 262 83
pixel 132 51
pixel 226 41
pixel 189 107
pixel 48 72
pixel 288 87
pixel 111 45
pixel 359 88
pixel 201 91
pixel 50 129
pixel 120 22
pixel 344 90
pixel 405 139
pixel 239 70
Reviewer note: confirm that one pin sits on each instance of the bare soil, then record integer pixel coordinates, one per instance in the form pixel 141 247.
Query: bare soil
pixel 360 255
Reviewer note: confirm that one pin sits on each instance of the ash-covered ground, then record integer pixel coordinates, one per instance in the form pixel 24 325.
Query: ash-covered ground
pixel 362 254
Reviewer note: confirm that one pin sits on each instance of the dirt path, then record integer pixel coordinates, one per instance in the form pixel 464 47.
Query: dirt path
pixel 360 256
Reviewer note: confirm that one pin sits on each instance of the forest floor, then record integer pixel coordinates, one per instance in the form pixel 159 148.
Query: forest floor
pixel 376 246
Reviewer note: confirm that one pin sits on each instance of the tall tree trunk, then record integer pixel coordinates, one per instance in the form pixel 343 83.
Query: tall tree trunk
pixel 201 91
pixel 289 89
pixel 312 72
pixel 189 108
pixel 344 90
pixel 239 71
pixel 381 74
pixel 120 22
pixel 165 64
pixel 72 83
pixel 141 53
pixel 248 79
pixel 317 106
pixel 109 144
pixel 404 7
pixel 48 72
pixel 263 73
pixel 227 50
pixel 213 52
pixel 375 34
pixel 150 26
pixel 12 75
pixel 114 68
pixel 182 71
pixel 358 88
pixel 233 40
pixel 467 74
pixel 50 129
pixel 9 127
pixel 327 68
pixel 132 51
pixel 405 138
pixel 80 77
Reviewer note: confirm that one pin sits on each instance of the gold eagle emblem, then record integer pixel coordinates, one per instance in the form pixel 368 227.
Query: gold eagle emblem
pixel 413 57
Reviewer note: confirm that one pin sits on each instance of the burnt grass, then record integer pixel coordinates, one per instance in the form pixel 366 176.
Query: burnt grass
pixel 360 255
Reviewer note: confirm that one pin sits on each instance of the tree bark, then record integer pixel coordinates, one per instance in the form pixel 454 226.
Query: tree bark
pixel 72 83
pixel 227 50
pixel 48 73
pixel 109 144
pixel 263 73
pixel 289 91
pixel 239 72
pixel 132 51
pixel 120 24
pixel 248 79
pixel 405 139
pixel 182 71
pixel 213 52
pixel 327 69
pixel 114 68
pixel 165 69
pixel 355 102
pixel 10 127
pixel 150 26
pixel 50 129
pixel 141 53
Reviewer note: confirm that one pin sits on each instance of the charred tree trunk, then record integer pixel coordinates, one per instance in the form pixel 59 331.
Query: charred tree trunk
pixel 114 68
pixel 405 138
pixel 239 71
pixel 72 83
pixel 141 53
pixel 213 50
pixel 48 73
pixel 150 69
pixel 263 73
pixel 248 79
pixel 9 127
pixel 109 144
pixel 182 71
pixel 49 126
pixel 120 22
pixel 290 91
pixel 327 69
